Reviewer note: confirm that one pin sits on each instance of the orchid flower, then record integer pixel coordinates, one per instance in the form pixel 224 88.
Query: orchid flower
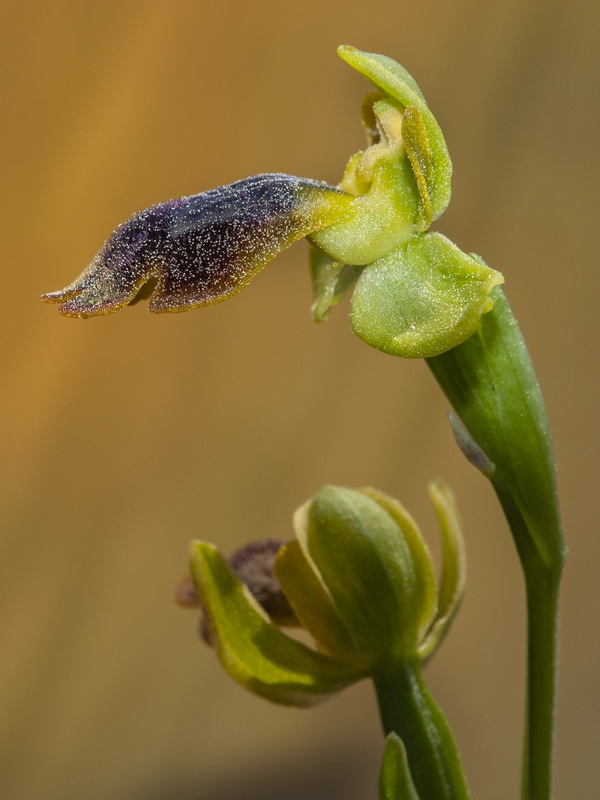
pixel 416 293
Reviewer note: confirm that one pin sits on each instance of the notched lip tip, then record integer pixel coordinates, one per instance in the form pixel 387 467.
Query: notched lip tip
pixel 67 312
pixel 61 296
pixel 50 297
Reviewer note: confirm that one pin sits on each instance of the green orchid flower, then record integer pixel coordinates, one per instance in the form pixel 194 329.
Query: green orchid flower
pixel 416 294
pixel 358 578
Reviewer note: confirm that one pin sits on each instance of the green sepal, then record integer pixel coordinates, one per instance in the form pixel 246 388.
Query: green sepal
pixel 395 781
pixel 423 601
pixel 251 649
pixel 422 299
pixel 366 564
pixel 393 80
pixel 308 596
pixel 331 281
pixel 454 569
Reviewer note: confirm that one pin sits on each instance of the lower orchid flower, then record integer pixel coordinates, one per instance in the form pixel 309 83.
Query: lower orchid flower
pixel 358 578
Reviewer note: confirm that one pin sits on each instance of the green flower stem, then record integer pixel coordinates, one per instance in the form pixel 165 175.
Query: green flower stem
pixel 408 710
pixel 489 379
pixel 542 591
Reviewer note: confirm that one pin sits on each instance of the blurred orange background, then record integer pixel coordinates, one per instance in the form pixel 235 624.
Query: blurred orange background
pixel 125 437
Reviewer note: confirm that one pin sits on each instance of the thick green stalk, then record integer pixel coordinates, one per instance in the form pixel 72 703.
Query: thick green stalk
pixel 490 381
pixel 408 710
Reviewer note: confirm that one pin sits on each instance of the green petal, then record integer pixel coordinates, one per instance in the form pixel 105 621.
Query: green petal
pixel 251 649
pixel 418 149
pixel 452 582
pixel 378 221
pixel 366 565
pixel 392 79
pixel 422 299
pixel 395 781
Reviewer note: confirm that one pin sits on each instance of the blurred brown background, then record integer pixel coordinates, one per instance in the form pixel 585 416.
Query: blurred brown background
pixel 125 437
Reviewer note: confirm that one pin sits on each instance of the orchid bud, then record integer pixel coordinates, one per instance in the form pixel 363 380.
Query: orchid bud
pixel 359 579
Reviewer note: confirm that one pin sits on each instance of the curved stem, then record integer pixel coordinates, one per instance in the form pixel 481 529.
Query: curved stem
pixel 407 709
pixel 490 381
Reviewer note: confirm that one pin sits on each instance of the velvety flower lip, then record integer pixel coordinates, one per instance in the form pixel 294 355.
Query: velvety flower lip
pixel 201 249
